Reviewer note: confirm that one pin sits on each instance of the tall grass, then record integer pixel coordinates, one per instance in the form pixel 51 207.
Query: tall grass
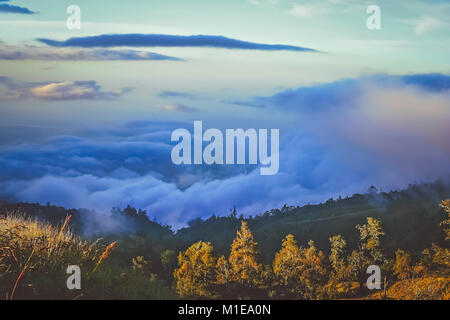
pixel 34 257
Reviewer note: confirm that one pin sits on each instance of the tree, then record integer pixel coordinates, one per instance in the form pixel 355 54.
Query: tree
pixel 436 260
pixel 243 258
pixel 196 274
pixel 337 259
pixel 300 271
pixel 402 266
pixel 287 266
pixel 370 240
pixel 223 271
pixel 446 223
pixel 313 274
pixel 168 262
pixel 225 287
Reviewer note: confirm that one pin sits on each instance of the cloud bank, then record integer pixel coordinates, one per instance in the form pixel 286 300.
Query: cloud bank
pixel 164 40
pixel 386 131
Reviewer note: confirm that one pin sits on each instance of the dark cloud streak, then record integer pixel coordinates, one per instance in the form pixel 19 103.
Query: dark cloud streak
pixel 8 8
pixel 163 40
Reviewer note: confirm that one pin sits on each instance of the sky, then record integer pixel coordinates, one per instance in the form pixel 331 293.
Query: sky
pixel 86 115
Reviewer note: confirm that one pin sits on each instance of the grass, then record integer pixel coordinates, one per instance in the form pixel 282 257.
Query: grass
pixel 34 257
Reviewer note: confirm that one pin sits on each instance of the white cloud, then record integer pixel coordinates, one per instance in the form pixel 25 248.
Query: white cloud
pixel 264 2
pixel 426 24
pixel 306 11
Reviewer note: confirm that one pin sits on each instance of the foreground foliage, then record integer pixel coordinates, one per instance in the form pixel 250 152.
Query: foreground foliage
pixel 304 272
pixel 34 257
pixel 128 256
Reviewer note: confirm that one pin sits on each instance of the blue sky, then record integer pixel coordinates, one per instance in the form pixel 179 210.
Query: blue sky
pixel 346 109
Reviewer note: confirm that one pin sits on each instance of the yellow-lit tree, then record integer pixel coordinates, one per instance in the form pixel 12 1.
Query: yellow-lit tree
pixel 196 275
pixel 245 269
pixel 313 275
pixel 402 266
pixel 342 278
pixel 370 240
pixel 223 270
pixel 437 259
pixel 446 223
pixel 300 271
pixel 287 267
pixel 337 259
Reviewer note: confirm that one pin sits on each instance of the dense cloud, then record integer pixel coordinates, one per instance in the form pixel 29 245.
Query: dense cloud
pixel 342 94
pixel 164 40
pixel 386 131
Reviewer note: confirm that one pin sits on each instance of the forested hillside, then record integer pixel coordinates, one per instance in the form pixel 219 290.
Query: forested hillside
pixel 409 217
pixel 329 245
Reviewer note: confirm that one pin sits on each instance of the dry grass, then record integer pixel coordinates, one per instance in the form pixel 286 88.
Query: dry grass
pixel 34 253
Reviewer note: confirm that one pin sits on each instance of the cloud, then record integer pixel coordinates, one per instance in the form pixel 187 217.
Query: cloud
pixel 269 3
pixel 313 9
pixel 176 107
pixel 62 90
pixel 346 92
pixel 76 54
pixel 8 8
pixel 163 40
pixel 175 94
pixel 426 24
pixel 307 11
pixel 341 138
pixel 71 90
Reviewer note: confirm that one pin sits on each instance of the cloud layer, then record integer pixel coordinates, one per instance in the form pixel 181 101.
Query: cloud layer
pixel 342 137
pixel 164 40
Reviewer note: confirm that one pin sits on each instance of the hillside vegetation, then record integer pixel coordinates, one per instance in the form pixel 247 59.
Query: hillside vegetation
pixel 309 252
pixel 34 257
